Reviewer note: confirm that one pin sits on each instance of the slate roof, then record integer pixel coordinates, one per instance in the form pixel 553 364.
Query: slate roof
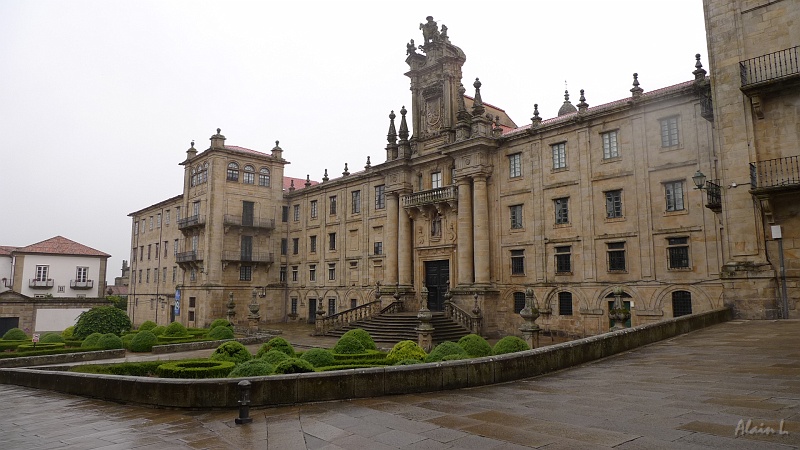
pixel 60 245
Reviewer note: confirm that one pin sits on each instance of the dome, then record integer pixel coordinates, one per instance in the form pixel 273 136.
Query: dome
pixel 567 107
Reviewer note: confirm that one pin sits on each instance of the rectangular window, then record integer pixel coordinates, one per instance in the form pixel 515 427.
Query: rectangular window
pixel 175 245
pixel 312 272
pixel 284 213
pixel 356 197
pixel 141 253
pixel 144 222
pixel 294 273
pixel 515 165
pixel 284 246
pixel 296 214
pixel 193 274
pixel 164 275
pixel 195 209
pixel 561 206
pixel 564 259
pixel 158 220
pixel 151 222
pixel 313 244
pixel 669 132
pixel 377 248
pixel 248 177
pixel 332 204
pixel 331 241
pixel 248 213
pixel 331 306
pixel 133 254
pixel 192 302
pixel 313 209
pixel 380 197
pixel 246 248
pixel 295 246
pixel 282 276
pixel 147 280
pixel 332 271
pixel 516 216
pixel 245 273
pixel 565 303
pixel 62 289
pixel 166 217
pixel 419 182
pixel 616 256
pixel 174 274
pixel 519 302
pixel 294 306
pixel 155 275
pixel 140 276
pixel 353 303
pixel 673 192
pixel 517 262
pixel 678 252
pixel 559 155
pixel 436 180
pixel 158 250
pixel 681 303
pixel 614 204
pixel 191 316
pixel 166 248
pixel 149 250
pixel 177 213
pixel 610 149
pixel 81 274
pixel 136 227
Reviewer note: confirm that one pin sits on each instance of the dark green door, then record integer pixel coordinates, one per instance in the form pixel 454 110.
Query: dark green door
pixel 437 278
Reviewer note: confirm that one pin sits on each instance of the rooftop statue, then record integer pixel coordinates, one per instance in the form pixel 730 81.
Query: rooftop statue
pixel 430 31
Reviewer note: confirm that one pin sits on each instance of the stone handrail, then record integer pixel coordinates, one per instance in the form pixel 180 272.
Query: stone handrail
pixel 468 320
pixel 394 307
pixel 430 196
pixel 342 319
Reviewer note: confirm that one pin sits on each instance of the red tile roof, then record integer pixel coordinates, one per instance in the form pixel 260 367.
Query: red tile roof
pixel 299 183
pixel 5 250
pixel 236 148
pixel 60 245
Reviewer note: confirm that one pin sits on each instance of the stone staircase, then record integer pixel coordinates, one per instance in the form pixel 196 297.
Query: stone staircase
pixel 393 328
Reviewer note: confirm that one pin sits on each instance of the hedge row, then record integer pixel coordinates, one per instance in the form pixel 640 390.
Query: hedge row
pixel 199 368
pixel 58 351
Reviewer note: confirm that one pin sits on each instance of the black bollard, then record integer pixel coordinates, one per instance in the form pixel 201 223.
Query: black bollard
pixel 244 403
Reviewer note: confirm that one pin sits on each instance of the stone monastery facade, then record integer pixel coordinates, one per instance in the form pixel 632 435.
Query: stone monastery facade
pixel 471 210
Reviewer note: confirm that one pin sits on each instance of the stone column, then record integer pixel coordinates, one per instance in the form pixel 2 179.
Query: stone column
pixel 481 226
pixel 465 261
pixel 404 243
pixel 392 211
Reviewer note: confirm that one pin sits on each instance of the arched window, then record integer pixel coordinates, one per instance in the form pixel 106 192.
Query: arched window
pixel 263 177
pixel 249 175
pixel 681 303
pixel 233 172
pixel 193 180
pixel 519 301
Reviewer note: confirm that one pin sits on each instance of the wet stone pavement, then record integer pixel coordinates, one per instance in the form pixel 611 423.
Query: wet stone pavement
pixel 689 392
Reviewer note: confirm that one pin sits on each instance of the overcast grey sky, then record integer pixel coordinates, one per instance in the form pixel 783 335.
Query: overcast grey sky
pixel 99 100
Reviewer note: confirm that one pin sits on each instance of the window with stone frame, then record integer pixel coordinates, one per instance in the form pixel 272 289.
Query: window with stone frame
pixel 233 172
pixel 294 273
pixel 610 149
pixel 356 202
pixel 377 248
pixel 331 241
pixel 245 273
pixel 673 192
pixel 332 204
pixel 678 252
pixel 296 213
pixel 613 204
pixel 284 213
pixel 565 303
pixel 616 256
pixel 294 306
pixel 517 262
pixel 332 271
pixel 331 306
pixel 436 180
pixel 519 302
pixel 561 206
pixel 681 303
pixel 380 197
pixel 515 165
pixel 313 209
pixel 282 276
pixel 284 246
pixel 559 155
pixel 669 132
pixel 313 244
pixel 295 246
pixel 263 177
pixel 249 176
pixel 312 272
pixel 516 216
pixel 564 259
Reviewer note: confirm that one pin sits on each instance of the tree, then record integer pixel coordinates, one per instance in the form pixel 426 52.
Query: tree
pixel 102 319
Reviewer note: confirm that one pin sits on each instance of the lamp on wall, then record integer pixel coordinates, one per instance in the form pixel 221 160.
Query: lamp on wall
pixel 712 188
pixel 699 180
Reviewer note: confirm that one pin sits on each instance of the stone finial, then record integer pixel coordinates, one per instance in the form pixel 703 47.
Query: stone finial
pixel 477 103
pixel 699 72
pixel 325 177
pixel 567 107
pixel 392 135
pixel 403 125
pixel 636 90
pixel 191 152
pixel 368 165
pixel 277 151
pixel 218 140
pixel 536 121
pixel 346 171
pixel 192 144
pixel 308 180
pixel 291 185
pixel 582 106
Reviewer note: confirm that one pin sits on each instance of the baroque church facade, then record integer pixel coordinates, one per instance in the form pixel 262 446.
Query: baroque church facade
pixel 464 215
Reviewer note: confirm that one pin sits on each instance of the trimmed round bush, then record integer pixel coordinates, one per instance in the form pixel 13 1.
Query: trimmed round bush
pixel 510 344
pixel 276 343
pixel 252 368
pixel 404 350
pixel 220 323
pixel 220 332
pixel 196 369
pixel 15 334
pixel 294 365
pixel 348 345
pixel 363 337
pixel 102 319
pixel 446 348
pixel 456 356
pixel 475 346
pixel 231 351
pixel 143 341
pixel 148 325
pixel 176 329
pixel 274 357
pixel 319 357
pixel 127 339
pixel 51 338
pixel 110 341
pixel 159 330
pixel 407 362
pixel 68 332
pixel 91 340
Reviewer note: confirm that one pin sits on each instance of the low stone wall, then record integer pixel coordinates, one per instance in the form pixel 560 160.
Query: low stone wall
pixel 61 358
pixel 356 383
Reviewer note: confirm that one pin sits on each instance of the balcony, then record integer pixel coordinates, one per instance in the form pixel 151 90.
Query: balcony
pixel 770 72
pixel 447 194
pixel 251 222
pixel 40 284
pixel 191 222
pixel 86 284
pixel 257 257
pixel 713 196
pixel 775 175
pixel 186 257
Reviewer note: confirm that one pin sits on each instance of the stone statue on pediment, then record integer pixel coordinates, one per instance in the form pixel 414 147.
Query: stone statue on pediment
pixel 430 31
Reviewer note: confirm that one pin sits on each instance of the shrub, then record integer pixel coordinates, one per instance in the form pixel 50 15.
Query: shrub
pixel 219 333
pixel 276 343
pixel 475 346
pixel 136 369
pixel 51 337
pixel 41 346
pixel 456 356
pixel 159 330
pixel 294 365
pixel 220 323
pixel 148 325
pixel 446 348
pixel 318 357
pixel 143 341
pixel 126 340
pixel 407 362
pixel 274 357
pixel 406 350
pixel 176 329
pixel 68 332
pixel 15 334
pixel 510 344
pixel 348 345
pixel 231 351
pixel 196 369
pixel 110 341
pixel 252 368
pixel 363 337
pixel 102 319
pixel 92 340
pixel 369 356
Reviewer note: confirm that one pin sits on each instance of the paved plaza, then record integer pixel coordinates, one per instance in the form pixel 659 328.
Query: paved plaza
pixel 689 392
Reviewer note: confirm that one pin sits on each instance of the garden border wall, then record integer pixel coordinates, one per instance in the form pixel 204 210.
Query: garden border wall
pixel 277 390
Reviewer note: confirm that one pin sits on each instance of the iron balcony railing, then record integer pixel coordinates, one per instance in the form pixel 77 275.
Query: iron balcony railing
pixel 40 284
pixel 777 172
pixel 189 256
pixel 770 67
pixel 245 221
pixel 713 195
pixel 86 284
pixel 191 221
pixel 431 196
pixel 248 257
